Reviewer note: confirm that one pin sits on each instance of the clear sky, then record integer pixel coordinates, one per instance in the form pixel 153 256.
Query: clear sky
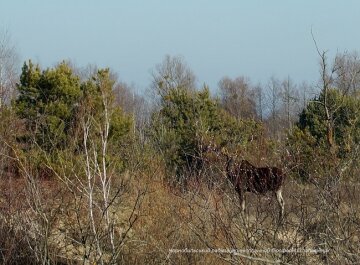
pixel 255 38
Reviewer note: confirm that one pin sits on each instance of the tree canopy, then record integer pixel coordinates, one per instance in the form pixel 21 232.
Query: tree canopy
pixel 48 101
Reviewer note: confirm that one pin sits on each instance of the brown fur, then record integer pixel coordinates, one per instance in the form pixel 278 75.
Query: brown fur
pixel 259 180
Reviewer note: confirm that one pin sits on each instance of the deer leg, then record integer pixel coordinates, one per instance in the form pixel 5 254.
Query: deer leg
pixel 281 202
pixel 242 201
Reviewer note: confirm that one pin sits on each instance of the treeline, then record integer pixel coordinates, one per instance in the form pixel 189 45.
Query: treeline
pixel 51 109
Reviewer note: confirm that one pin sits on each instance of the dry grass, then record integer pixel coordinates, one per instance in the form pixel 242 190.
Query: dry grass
pixel 201 218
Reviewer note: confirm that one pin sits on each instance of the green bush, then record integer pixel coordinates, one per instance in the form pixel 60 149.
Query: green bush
pixel 187 122
pixel 308 143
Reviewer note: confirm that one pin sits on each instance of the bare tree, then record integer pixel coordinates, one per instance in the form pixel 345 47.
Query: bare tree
pixel 237 97
pixel 307 93
pixel 282 105
pixel 290 99
pixel 134 104
pixel 347 74
pixel 260 106
pixel 126 97
pixel 9 62
pixel 327 78
pixel 172 73
pixel 274 105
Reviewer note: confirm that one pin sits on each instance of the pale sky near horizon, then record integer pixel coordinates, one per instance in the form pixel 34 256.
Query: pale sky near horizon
pixel 257 38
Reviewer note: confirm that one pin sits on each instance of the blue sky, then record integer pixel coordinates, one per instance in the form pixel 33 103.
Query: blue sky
pixel 257 38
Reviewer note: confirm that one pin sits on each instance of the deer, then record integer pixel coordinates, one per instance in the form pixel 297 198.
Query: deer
pixel 246 177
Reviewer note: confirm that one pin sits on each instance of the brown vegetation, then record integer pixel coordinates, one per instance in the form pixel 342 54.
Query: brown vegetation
pixel 89 176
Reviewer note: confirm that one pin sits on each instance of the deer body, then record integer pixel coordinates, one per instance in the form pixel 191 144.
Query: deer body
pixel 259 180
